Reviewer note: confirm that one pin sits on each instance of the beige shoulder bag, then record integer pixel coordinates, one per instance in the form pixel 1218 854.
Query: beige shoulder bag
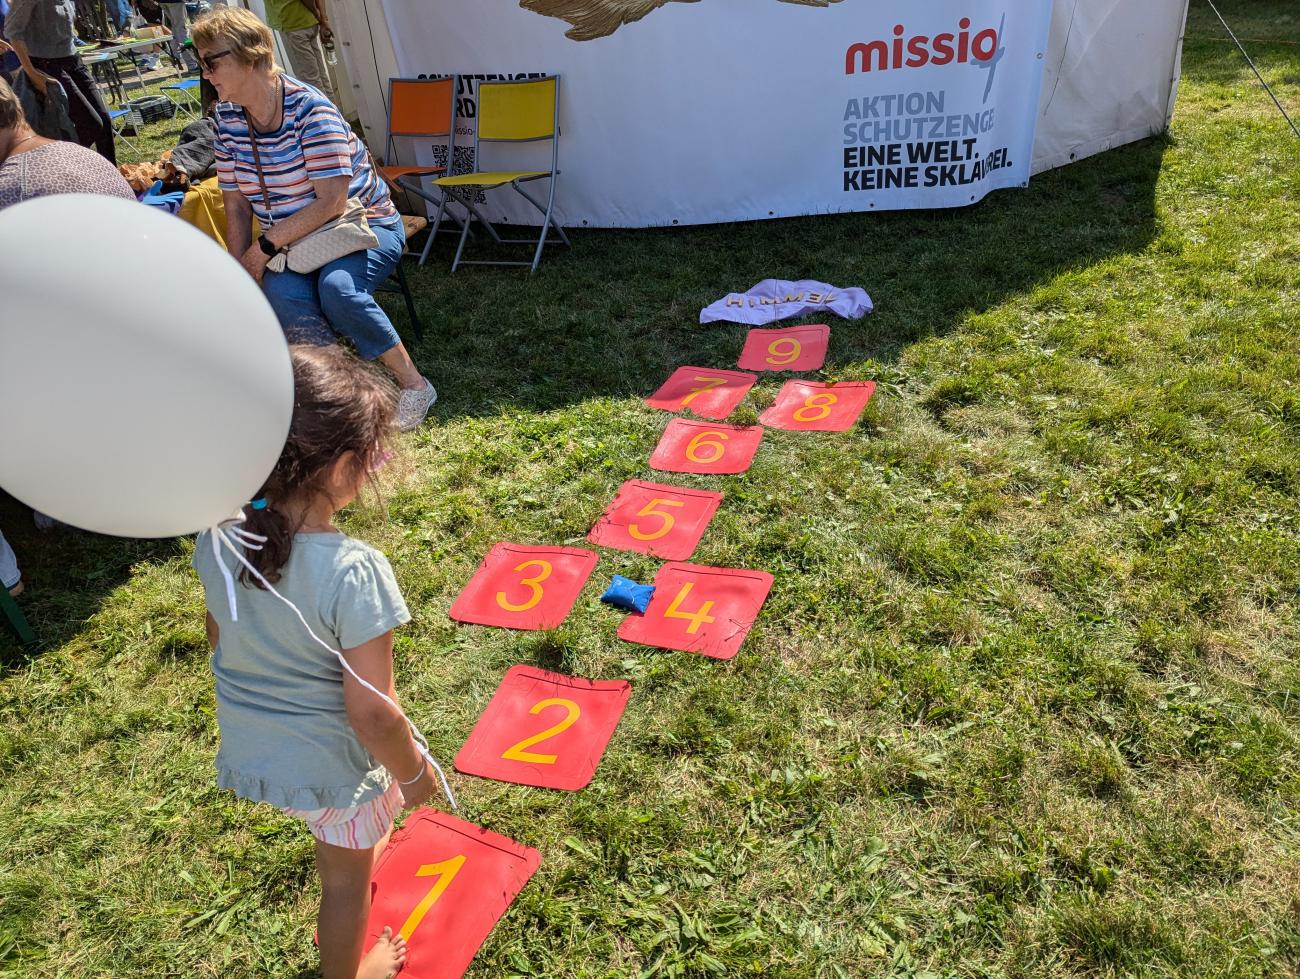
pixel 347 233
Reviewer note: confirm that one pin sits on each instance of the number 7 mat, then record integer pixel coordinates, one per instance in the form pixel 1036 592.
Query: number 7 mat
pixel 544 729
pixel 807 406
pixel 443 883
pixel 651 518
pixel 519 587
pixel 795 348
pixel 699 609
pixel 707 391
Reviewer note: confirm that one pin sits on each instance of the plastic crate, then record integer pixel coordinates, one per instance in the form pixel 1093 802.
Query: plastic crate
pixel 149 109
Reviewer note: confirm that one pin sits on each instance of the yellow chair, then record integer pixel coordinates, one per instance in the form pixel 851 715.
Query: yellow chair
pixel 511 112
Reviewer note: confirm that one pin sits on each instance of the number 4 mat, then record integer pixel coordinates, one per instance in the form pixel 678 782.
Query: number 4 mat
pixel 806 406
pixel 519 587
pixel 700 609
pixel 544 729
pixel 795 348
pixel 443 883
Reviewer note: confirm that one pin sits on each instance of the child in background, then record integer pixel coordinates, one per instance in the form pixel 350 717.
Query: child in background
pixel 298 731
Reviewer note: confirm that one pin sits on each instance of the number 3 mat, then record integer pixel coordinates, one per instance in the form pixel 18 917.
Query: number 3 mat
pixel 544 729
pixel 519 587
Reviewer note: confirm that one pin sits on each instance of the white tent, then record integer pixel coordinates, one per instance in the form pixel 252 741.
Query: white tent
pixel 694 112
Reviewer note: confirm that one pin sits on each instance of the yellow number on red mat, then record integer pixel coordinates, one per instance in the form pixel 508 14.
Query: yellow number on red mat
pixel 535 583
pixel 516 751
pixel 709 384
pixel 782 352
pixel 697 618
pixel 711 440
pixel 818 403
pixel 446 872
pixel 652 509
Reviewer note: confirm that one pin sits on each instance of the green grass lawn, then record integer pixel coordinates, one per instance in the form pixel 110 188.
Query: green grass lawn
pixel 1024 700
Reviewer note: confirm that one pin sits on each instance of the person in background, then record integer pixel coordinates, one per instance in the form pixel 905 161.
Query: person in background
pixel 303 27
pixel 11 579
pixel 173 17
pixel 33 166
pixel 313 163
pixel 43 33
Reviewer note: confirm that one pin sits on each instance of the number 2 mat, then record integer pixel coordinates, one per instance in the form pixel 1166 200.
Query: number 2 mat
pixel 443 883
pixel 544 729
pixel 520 587
pixel 699 609
pixel 651 518
pixel 795 348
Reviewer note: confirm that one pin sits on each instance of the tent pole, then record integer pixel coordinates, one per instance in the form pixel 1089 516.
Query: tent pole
pixel 1253 68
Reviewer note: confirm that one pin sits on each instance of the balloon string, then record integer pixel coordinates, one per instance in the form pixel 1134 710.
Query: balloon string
pixel 219 537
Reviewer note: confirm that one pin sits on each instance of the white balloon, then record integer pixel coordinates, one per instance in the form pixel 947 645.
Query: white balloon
pixel 146 384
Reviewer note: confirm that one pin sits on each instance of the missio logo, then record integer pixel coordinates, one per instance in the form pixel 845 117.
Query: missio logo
pixel 921 49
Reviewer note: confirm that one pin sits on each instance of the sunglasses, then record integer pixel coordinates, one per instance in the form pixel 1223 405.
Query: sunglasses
pixel 209 62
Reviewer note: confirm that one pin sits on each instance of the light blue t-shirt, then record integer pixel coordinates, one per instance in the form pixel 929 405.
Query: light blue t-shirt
pixel 285 736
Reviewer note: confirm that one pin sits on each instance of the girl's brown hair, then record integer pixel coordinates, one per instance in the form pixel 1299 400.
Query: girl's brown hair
pixel 341 406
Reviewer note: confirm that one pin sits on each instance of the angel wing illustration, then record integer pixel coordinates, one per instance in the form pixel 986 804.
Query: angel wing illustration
pixel 592 19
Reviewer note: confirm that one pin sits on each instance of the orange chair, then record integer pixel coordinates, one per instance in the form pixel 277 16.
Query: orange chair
pixel 420 108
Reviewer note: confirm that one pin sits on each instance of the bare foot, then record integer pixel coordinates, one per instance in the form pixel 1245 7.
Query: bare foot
pixel 385 959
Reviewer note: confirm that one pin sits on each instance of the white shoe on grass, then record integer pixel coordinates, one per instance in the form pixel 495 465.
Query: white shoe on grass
pixel 413 405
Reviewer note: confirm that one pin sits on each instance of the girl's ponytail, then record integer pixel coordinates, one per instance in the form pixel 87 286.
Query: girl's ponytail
pixel 342 406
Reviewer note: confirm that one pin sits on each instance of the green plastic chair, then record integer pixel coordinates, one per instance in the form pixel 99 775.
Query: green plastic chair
pixel 16 618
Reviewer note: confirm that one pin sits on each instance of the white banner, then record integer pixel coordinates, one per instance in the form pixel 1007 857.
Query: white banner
pixel 724 110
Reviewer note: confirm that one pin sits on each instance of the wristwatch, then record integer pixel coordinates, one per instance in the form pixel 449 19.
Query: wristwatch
pixel 267 247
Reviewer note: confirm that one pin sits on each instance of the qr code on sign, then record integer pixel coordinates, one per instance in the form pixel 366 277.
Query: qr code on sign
pixel 462 162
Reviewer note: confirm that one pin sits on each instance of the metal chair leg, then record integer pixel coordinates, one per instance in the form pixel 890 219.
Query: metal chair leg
pixel 410 300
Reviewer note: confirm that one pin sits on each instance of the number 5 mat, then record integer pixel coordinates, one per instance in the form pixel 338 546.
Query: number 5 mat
pixel 795 348
pixel 544 729
pixel 443 883
pixel 519 587
pixel 806 406
pixel 707 391
pixel 700 609
pixel 651 518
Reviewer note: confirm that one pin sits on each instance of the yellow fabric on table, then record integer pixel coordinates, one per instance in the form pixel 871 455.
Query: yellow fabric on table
pixel 204 208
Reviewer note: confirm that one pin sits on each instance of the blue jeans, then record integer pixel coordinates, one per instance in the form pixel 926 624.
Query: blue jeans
pixel 337 300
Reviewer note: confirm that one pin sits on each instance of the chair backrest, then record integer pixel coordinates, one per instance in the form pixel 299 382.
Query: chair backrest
pixel 519 110
pixel 421 106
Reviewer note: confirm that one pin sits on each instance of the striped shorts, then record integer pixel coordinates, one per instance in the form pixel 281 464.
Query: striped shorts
pixel 357 827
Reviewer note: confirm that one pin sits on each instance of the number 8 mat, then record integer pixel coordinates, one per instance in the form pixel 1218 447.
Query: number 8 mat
pixel 544 729
pixel 808 406
pixel 443 884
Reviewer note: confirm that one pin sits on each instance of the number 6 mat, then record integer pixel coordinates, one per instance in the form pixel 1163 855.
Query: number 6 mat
pixel 544 729
pixel 519 587
pixel 706 447
pixel 443 883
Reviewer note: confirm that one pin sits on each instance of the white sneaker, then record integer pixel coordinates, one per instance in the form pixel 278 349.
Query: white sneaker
pixel 413 405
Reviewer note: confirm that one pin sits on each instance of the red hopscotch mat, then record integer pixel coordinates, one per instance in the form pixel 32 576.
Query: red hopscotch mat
pixel 521 587
pixel 652 518
pixel 544 729
pixel 707 391
pixel 808 406
pixel 444 883
pixel 794 348
pixel 706 447
pixel 700 609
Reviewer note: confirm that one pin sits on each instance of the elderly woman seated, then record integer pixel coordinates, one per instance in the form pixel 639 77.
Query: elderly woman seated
pixel 286 156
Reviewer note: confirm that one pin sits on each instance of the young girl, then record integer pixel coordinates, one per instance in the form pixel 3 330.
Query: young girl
pixel 297 730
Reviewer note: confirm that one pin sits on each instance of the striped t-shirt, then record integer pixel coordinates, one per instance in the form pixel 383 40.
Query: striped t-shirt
pixel 313 143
